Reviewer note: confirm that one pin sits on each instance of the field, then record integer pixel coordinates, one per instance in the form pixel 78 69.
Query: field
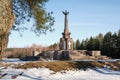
pixel 59 70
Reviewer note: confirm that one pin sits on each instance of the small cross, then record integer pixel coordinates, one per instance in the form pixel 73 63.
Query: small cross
pixel 69 45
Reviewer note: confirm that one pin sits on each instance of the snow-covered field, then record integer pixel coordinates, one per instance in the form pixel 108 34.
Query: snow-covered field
pixel 46 74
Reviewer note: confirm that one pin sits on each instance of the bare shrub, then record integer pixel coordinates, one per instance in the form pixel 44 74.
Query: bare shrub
pixel 22 52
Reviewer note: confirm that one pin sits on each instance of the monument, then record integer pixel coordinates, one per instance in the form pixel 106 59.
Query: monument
pixel 66 42
pixel 65 50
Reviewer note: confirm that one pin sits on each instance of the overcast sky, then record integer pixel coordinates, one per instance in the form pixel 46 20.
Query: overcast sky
pixel 86 18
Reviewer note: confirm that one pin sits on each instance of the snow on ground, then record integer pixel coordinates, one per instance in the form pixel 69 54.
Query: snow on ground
pixel 16 60
pixel 12 60
pixel 46 74
pixel 109 60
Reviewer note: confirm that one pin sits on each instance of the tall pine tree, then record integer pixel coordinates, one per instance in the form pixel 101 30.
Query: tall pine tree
pixel 77 44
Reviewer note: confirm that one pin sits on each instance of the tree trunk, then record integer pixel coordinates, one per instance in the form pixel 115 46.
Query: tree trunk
pixel 3 43
pixel 7 19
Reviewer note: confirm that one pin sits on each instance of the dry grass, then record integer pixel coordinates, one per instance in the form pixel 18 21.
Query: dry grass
pixel 61 65
pixel 5 65
pixel 98 64
pixel 55 66
pixel 65 65
pixel 114 65
pixel 1 63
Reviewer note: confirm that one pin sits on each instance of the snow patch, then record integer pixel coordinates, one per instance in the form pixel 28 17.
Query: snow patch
pixel 47 74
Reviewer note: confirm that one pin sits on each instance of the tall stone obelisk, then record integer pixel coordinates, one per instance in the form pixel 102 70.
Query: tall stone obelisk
pixel 66 42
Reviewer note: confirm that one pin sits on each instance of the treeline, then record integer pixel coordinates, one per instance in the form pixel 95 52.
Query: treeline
pixel 54 46
pixel 22 52
pixel 109 44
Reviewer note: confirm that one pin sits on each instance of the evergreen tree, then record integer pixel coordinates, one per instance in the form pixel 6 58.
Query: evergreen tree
pixel 118 39
pixel 107 43
pixel 77 44
pixel 100 40
pixel 96 44
pixel 90 43
pixel 83 45
pixel 114 40
pixel 118 45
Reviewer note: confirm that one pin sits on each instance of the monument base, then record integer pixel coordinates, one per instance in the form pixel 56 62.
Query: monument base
pixel 67 55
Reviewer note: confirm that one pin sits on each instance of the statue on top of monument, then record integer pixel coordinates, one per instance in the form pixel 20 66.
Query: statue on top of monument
pixel 65 12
